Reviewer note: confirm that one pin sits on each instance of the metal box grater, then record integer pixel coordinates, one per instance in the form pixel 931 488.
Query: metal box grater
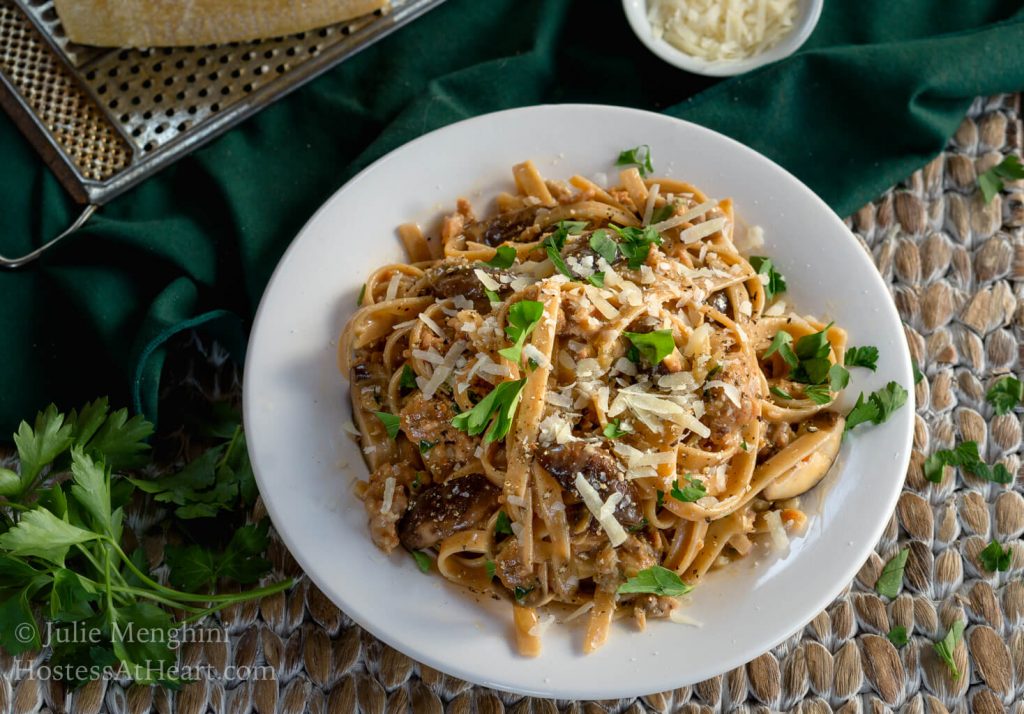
pixel 106 119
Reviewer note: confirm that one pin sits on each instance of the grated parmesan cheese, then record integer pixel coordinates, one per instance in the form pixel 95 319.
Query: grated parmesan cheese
pixel 541 626
pixel 715 31
pixel 680 619
pixel 393 284
pixel 443 371
pixel 429 322
pixel 581 610
pixel 389 494
pixel 541 359
pixel 702 230
pixel 489 282
pixel 652 196
pixel 780 541
pixel 604 515
pixel 430 356
pixel 686 217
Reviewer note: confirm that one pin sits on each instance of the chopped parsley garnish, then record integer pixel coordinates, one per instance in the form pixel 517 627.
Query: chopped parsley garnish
pixel 391 423
pixel 991 182
pixel 661 498
pixel 523 316
pixel 496 410
pixel 602 243
pixel 504 257
pixel 744 446
pixel 898 636
pixel 663 213
pixel 713 371
pixel 652 346
pixel 818 394
pixel 994 557
pixel 1005 394
pixel 918 374
pixel 965 456
pixel 597 280
pixel 554 243
pixel 422 560
pixel 408 378
pixel 779 392
pixel 639 526
pixel 866 356
pixel 520 594
pixel 947 647
pixel 489 566
pixel 426 446
pixel 812 352
pixel 639 156
pixel 776 284
pixel 613 430
pixel 657 581
pixel 362 294
pixel 878 407
pixel 492 296
pixel 693 491
pixel 889 582
pixel 502 526
pixel 635 243
pixel 782 343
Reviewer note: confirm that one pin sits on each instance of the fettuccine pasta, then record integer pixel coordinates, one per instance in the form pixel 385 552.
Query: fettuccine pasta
pixel 588 398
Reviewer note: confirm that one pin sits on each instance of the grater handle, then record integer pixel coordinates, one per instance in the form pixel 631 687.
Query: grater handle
pixel 15 263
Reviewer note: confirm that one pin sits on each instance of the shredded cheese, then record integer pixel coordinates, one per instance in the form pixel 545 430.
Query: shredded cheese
pixel 443 371
pixel 581 610
pixel 389 495
pixel 714 31
pixel 673 221
pixel 393 284
pixel 489 282
pixel 612 528
pixel 429 322
pixel 652 196
pixel 702 230
pixel 780 541
pixel 680 619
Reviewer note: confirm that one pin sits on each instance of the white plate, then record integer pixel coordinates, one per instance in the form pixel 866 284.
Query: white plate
pixel 807 15
pixel 296 402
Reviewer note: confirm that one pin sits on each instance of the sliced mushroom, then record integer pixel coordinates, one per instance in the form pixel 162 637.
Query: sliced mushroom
pixel 447 508
pixel 503 228
pixel 599 468
pixel 805 474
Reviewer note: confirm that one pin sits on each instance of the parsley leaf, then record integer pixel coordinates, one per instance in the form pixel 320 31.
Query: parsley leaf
pixel 818 394
pixel 779 392
pixel 504 257
pixel 965 456
pixel 520 594
pixel 422 560
pixel 656 580
pixel 660 498
pixel 554 243
pixel 878 407
pixel 612 430
pixel 994 557
pixel 635 243
pixel 862 357
pixel 194 568
pixel 693 491
pixel 40 444
pixel 1005 394
pixel 362 294
pixel 602 243
pixel 898 636
pixel 426 446
pixel 522 318
pixel 492 296
pixel 496 409
pixel 947 647
pixel 502 526
pixel 782 343
pixel 776 283
pixel 408 378
pixel 918 374
pixel 490 567
pixel 391 423
pixel 597 280
pixel 663 213
pixel 639 156
pixel 991 182
pixel 652 346
pixel 891 578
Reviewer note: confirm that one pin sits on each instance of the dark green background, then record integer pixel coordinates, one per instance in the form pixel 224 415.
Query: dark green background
pixel 871 97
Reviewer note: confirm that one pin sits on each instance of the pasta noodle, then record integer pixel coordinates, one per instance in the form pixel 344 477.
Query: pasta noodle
pixel 586 390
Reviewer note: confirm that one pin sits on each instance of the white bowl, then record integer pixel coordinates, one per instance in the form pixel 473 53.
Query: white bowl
pixel 296 402
pixel 808 13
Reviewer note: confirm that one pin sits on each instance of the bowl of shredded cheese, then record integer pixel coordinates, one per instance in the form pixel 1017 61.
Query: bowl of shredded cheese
pixel 722 37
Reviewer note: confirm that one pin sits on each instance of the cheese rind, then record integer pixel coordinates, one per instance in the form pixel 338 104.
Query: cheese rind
pixel 174 23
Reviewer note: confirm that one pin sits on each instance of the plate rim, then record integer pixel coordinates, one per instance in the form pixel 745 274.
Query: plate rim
pixel 903 416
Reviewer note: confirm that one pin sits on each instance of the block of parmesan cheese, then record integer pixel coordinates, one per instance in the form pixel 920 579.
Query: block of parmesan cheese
pixel 167 23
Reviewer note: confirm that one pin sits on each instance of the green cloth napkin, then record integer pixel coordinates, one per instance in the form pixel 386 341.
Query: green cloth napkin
pixel 872 96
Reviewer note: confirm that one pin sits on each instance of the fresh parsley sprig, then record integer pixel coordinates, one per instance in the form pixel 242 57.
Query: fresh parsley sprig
pixel 504 257
pixel 866 357
pixel 878 406
pixel 946 648
pixel 994 557
pixel 635 243
pixel 809 364
pixel 555 242
pixel 657 581
pixel 694 490
pixel 639 156
pixel 775 283
pixel 991 182
pixel 966 457
pixel 522 318
pixel 1005 395
pixel 614 430
pixel 891 579
pixel 61 545
pixel 494 412
pixel 652 346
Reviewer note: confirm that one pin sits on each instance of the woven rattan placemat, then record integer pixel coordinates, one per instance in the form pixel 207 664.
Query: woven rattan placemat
pixel 955 266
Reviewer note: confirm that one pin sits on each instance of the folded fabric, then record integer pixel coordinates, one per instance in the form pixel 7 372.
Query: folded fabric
pixel 873 95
